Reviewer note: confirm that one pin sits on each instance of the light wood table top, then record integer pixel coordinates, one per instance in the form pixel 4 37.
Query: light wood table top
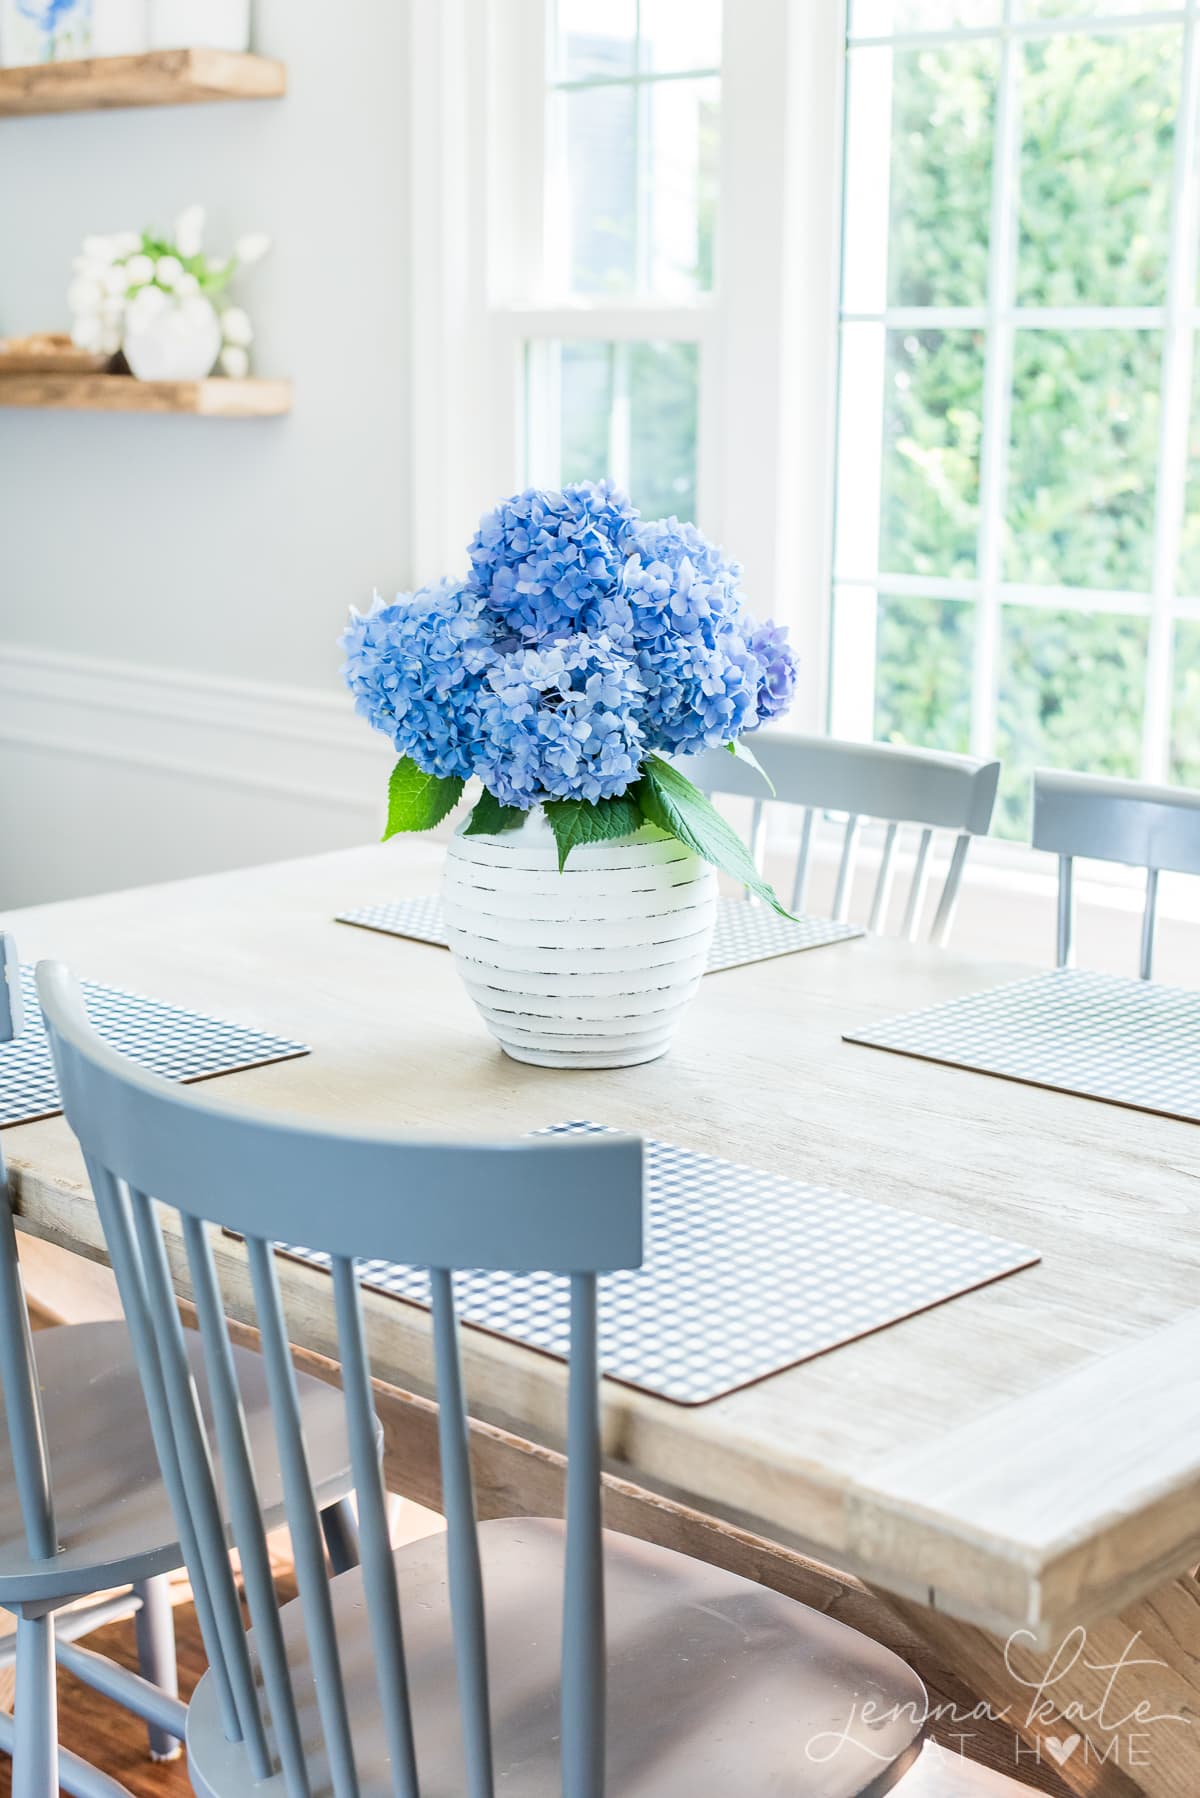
pixel 1026 1455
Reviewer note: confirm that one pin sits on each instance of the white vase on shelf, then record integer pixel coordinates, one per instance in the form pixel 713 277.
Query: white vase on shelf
pixel 590 968
pixel 178 340
pixel 200 24
pixel 120 27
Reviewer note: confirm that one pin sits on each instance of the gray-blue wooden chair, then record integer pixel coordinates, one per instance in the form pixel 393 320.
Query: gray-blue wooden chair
pixel 84 1508
pixel 1155 828
pixel 514 1656
pixel 921 789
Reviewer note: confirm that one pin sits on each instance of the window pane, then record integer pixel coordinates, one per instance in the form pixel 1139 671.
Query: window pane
pixel 678 36
pixel 663 389
pixel 1189 555
pixel 623 410
pixel 596 37
pixel 1096 164
pixel 601 179
pixel 932 410
pixel 586 408
pixel 877 18
pixel 1068 9
pixel 1185 734
pixel 1072 687
pixel 683 125
pixel 639 208
pixel 919 176
pixel 1084 453
pixel 923 672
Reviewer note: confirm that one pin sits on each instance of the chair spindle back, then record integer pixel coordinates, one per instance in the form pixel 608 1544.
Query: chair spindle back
pixel 898 787
pixel 563 1205
pixel 18 1369
pixel 1128 821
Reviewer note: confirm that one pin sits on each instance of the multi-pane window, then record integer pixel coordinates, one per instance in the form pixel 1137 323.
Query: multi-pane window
pixel 611 345
pixel 1017 549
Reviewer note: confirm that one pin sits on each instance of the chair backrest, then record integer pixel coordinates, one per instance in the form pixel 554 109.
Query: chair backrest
pixel 18 1373
pixel 897 787
pixel 1107 820
pixel 568 1205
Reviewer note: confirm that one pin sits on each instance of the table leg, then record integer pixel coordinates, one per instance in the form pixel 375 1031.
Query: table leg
pixel 1113 1709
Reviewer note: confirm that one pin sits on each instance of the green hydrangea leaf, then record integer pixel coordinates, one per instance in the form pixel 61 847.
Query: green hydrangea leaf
pixel 669 799
pixel 576 821
pixel 744 753
pixel 490 817
pixel 418 801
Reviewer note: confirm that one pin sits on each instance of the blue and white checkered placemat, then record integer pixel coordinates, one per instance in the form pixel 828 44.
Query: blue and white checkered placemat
pixel 182 1045
pixel 744 933
pixel 1098 1035
pixel 746 1273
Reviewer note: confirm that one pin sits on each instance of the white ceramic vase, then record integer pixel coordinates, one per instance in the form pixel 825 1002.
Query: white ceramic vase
pixel 178 342
pixel 199 24
pixel 119 27
pixel 590 968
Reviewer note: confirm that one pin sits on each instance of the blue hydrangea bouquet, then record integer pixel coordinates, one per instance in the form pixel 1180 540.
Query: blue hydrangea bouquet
pixel 584 647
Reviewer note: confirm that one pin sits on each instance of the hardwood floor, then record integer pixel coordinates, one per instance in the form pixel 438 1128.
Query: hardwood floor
pixel 110 1737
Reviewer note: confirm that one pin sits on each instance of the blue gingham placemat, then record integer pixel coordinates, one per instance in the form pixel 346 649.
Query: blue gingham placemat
pixel 744 932
pixel 746 1273
pixel 1100 1036
pixel 182 1045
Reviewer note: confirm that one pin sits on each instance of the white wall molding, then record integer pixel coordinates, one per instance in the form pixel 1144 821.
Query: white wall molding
pixel 289 742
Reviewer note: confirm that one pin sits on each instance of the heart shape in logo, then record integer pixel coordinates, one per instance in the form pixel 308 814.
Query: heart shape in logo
pixel 1062 1751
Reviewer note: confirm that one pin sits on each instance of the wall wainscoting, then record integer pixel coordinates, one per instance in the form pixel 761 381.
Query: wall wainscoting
pixel 113 774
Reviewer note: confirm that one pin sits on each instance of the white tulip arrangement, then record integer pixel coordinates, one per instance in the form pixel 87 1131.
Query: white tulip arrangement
pixel 123 281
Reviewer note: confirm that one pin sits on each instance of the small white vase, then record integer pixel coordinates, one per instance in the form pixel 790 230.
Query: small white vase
pixel 199 24
pixel 179 342
pixel 590 968
pixel 119 27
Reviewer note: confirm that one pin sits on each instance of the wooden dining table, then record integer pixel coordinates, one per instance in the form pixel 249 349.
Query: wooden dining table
pixel 1013 1476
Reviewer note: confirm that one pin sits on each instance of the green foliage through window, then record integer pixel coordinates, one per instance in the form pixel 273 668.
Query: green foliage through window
pixel 1096 146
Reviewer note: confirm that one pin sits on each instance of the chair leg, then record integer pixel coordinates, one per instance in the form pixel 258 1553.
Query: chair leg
pixel 341 1535
pixel 35 1710
pixel 154 1623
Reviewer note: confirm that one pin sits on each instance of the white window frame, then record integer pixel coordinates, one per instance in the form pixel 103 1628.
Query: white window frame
pixel 1177 319
pixel 767 335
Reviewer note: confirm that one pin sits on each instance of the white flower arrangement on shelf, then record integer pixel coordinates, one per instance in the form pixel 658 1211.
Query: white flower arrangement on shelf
pixel 163 300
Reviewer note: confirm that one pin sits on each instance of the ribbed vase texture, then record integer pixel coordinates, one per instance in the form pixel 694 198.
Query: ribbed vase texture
pixel 590 968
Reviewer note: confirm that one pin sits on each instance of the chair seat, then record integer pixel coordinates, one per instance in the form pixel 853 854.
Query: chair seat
pixel 114 1518
pixel 715 1684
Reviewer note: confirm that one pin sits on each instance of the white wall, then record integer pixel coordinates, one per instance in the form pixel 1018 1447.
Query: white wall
pixel 139 553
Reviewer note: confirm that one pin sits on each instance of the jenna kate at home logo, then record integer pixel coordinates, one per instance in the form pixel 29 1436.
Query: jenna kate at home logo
pixel 1112 1726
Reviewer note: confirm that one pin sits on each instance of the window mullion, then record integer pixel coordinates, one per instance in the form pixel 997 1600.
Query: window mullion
pixel 1175 412
pixel 997 392
pixel 1101 20
pixel 615 323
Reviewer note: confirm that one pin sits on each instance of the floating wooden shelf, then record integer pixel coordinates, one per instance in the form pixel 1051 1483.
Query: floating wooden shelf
pixel 158 78
pixel 121 393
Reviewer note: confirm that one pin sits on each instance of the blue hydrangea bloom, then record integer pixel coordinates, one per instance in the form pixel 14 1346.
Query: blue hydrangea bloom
pixel 582 640
pixel 548 562
pixel 667 540
pixel 777 658
pixel 416 671
pixel 561 721
pixel 691 631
